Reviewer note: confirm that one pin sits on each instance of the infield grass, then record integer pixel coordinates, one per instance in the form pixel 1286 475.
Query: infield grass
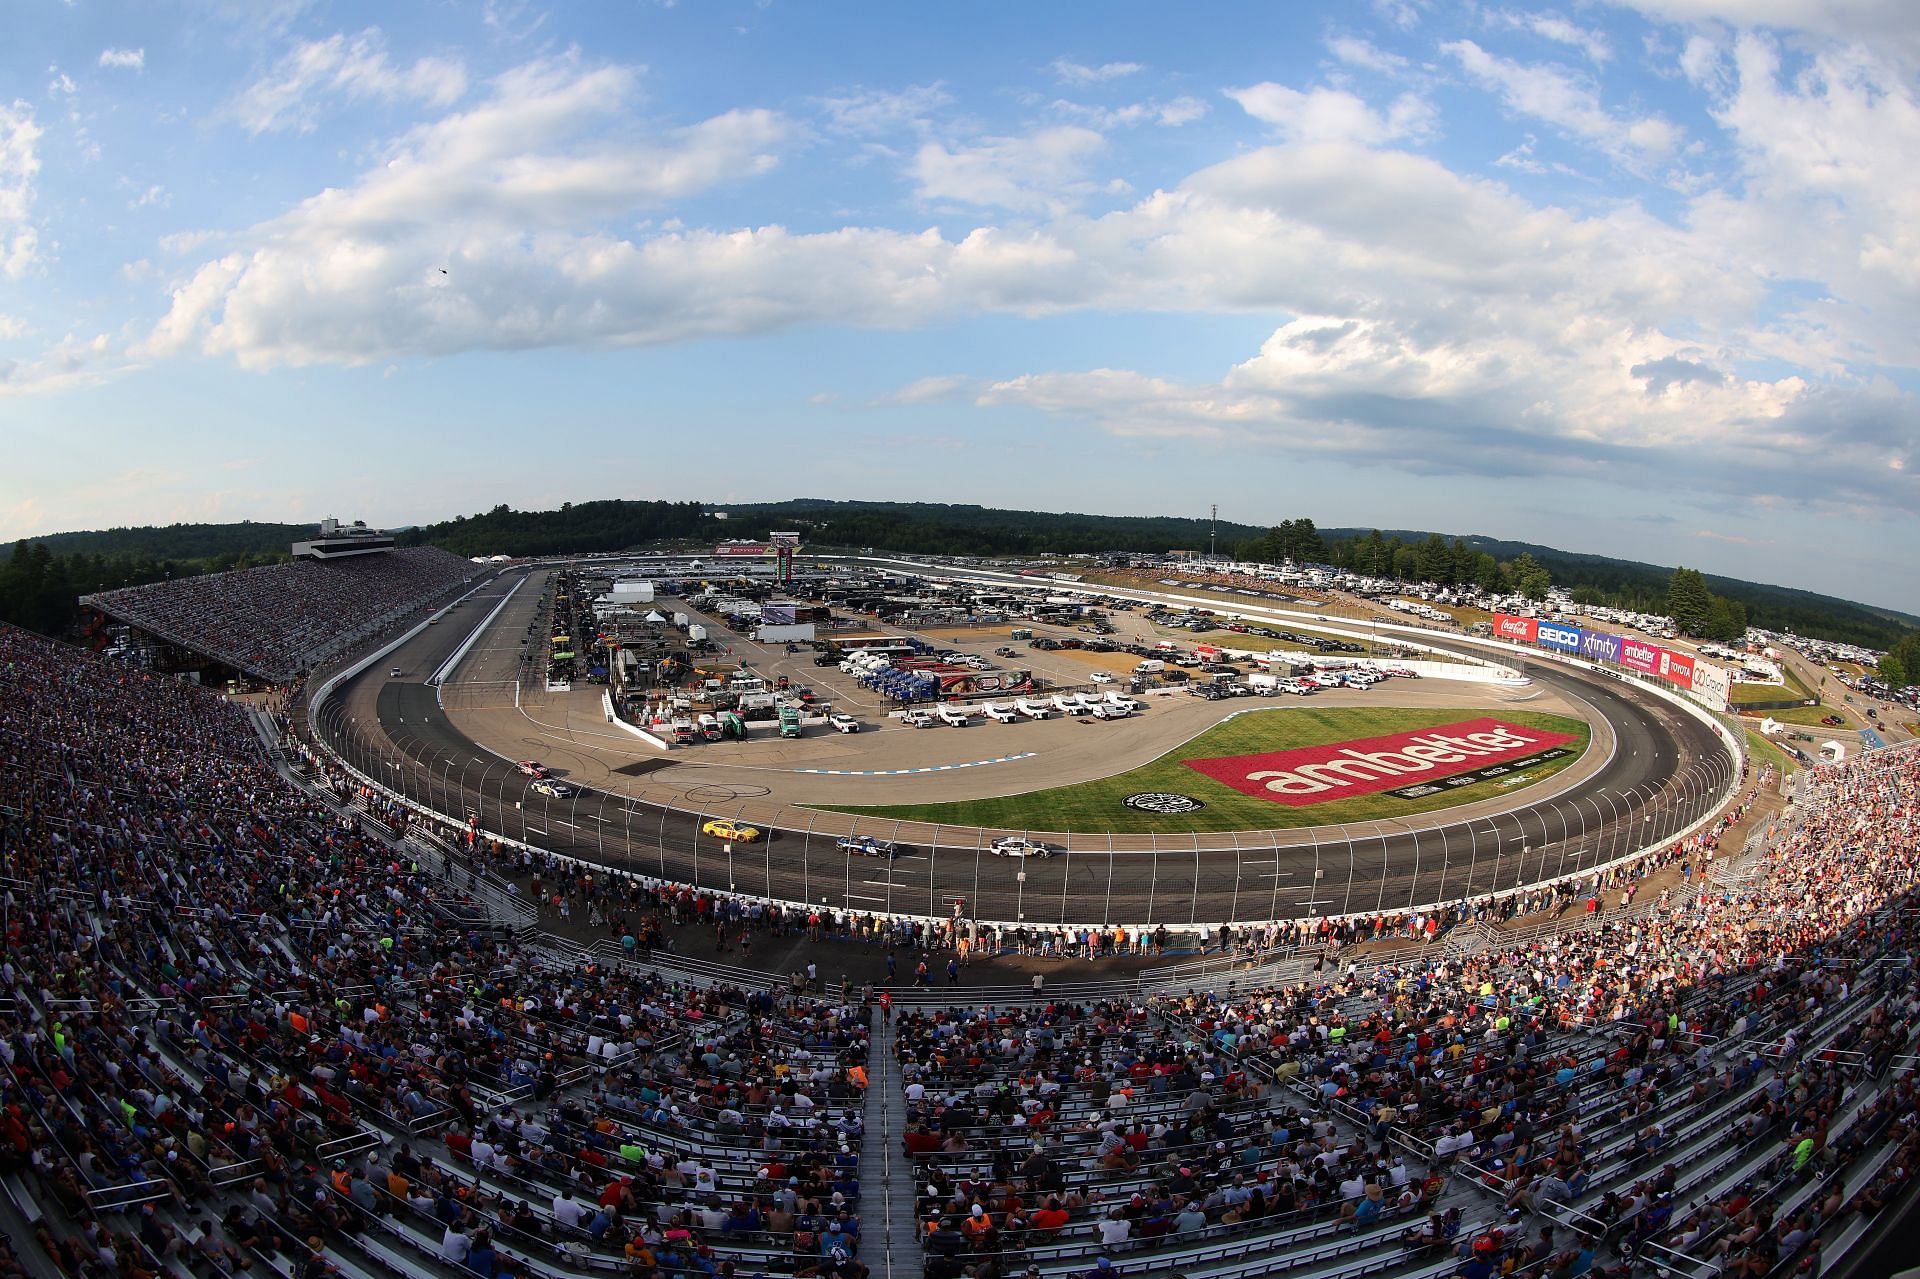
pixel 1766 752
pixel 1095 806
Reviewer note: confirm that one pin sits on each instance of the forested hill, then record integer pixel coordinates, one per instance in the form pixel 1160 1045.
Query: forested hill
pixel 913 527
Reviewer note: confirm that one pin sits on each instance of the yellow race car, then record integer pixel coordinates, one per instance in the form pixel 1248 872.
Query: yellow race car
pixel 730 832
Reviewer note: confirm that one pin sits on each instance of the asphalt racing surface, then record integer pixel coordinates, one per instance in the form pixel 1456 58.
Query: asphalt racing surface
pixel 1665 771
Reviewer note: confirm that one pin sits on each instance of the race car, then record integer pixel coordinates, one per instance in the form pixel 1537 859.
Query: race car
pixel 730 832
pixel 532 767
pixel 554 787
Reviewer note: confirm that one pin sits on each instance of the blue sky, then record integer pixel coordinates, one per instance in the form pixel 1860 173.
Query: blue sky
pixel 1628 278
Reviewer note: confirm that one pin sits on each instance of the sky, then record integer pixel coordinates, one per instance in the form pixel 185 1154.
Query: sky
pixel 1637 278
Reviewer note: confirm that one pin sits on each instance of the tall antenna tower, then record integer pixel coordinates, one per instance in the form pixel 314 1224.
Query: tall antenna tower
pixel 1213 530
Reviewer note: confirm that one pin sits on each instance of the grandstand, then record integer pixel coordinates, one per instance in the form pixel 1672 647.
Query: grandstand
pixel 280 621
pixel 256 1020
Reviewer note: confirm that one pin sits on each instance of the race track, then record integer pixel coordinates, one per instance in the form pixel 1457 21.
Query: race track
pixel 1664 771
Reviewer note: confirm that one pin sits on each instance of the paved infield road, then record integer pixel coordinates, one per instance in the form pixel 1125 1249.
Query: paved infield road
pixel 1659 774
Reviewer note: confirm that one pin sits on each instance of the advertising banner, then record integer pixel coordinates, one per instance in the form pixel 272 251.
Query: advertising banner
pixel 1638 655
pixel 1676 667
pixel 1508 627
pixel 1711 685
pixel 1598 646
pixel 1206 652
pixel 741 550
pixel 1316 774
pixel 1565 638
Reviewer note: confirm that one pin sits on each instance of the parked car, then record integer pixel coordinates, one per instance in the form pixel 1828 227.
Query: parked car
pixel 1101 677
pixel 730 832
pixel 1020 846
pixel 844 723
pixel 1833 721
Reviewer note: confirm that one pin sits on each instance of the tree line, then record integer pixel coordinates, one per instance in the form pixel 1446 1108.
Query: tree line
pixel 40 589
pixel 141 554
pixel 1432 559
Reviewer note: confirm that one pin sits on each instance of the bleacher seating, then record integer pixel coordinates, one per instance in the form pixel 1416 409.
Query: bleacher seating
pixel 243 1030
pixel 279 621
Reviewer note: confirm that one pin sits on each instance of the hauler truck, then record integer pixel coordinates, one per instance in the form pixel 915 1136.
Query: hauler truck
pixel 789 721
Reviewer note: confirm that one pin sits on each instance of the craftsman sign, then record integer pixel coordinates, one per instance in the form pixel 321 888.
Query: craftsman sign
pixel 1399 761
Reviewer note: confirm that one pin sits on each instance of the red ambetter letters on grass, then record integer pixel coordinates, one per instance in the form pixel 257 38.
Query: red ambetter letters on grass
pixel 1316 774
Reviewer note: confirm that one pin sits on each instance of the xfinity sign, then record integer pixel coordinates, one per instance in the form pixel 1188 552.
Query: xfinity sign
pixel 1600 646
pixel 1316 774
pixel 1565 638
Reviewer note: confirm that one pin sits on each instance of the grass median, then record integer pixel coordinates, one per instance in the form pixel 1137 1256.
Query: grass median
pixel 1097 806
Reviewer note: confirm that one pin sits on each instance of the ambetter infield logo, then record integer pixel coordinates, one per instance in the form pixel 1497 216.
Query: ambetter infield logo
pixel 1316 774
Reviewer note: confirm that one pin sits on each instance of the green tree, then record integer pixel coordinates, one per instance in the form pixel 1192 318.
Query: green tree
pixel 1689 602
pixel 1435 560
pixel 1528 577
pixel 1726 620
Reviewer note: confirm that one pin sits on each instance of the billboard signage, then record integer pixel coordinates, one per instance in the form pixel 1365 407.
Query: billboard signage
pixel 1676 667
pixel 776 614
pixel 1508 626
pixel 1565 638
pixel 1315 774
pixel 1711 685
pixel 741 550
pixel 1638 655
pixel 1599 646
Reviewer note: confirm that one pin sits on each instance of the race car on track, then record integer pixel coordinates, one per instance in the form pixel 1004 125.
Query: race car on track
pixel 555 788
pixel 730 832
pixel 1019 846
pixel 532 768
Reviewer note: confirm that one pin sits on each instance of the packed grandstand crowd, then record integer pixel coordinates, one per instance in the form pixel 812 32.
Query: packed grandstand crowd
pixel 248 1027
pixel 281 620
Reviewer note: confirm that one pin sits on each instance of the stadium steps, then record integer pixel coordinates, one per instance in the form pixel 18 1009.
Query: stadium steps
pixel 884 1117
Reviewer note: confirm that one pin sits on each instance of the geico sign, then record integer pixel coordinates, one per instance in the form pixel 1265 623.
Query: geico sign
pixel 1561 637
pixel 1315 774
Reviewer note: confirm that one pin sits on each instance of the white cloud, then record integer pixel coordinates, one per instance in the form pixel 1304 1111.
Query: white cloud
pixel 1827 193
pixel 1356 52
pixel 1334 115
pixel 69 362
pixel 123 59
pixel 61 85
pixel 876 112
pixel 19 168
pixel 12 326
pixel 1041 170
pixel 356 69
pixel 1886 26
pixel 1568 102
pixel 1173 114
pixel 1072 72
pixel 496 194
pixel 153 196
pixel 1557 28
